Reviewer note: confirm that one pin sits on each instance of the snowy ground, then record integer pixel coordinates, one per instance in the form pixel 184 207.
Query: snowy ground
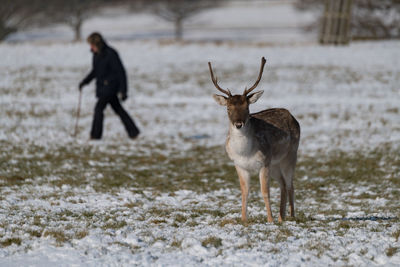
pixel 172 197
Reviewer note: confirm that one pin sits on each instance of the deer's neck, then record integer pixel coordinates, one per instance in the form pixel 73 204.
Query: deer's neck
pixel 241 141
pixel 242 148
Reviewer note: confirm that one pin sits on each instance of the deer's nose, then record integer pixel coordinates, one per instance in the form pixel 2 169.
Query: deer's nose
pixel 238 125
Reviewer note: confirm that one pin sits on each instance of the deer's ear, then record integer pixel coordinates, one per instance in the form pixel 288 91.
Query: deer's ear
pixel 222 100
pixel 254 97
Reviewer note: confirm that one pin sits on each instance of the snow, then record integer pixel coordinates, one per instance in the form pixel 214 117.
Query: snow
pixel 100 248
pixel 335 90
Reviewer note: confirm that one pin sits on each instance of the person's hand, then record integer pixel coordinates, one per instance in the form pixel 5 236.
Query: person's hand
pixel 81 84
pixel 124 96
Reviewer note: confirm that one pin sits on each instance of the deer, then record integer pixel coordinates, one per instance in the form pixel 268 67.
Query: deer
pixel 265 142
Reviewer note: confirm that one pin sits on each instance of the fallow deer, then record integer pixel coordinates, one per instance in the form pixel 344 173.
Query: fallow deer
pixel 265 142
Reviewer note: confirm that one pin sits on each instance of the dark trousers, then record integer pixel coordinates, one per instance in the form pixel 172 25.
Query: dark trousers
pixel 97 126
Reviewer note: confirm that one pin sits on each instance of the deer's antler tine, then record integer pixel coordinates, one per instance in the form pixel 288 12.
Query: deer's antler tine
pixel 215 81
pixel 246 91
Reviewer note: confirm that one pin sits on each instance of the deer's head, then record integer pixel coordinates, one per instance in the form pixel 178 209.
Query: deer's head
pixel 238 105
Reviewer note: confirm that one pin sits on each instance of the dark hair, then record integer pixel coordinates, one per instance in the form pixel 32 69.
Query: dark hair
pixel 96 39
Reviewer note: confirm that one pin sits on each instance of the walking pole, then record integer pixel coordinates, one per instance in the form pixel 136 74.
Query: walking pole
pixel 77 113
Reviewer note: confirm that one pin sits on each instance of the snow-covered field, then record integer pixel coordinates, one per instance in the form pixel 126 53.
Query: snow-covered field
pixel 172 196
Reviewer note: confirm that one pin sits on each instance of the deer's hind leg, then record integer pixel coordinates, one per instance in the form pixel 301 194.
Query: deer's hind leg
pixel 287 166
pixel 277 174
pixel 265 178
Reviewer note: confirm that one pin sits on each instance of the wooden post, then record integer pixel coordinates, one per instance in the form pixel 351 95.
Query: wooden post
pixel 336 22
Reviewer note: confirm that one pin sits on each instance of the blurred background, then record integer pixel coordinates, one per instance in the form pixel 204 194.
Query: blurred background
pixel 263 21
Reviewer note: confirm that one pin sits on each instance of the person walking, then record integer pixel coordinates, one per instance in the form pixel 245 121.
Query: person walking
pixel 110 82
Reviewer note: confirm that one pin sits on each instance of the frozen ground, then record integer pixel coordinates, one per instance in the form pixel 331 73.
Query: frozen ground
pixel 172 197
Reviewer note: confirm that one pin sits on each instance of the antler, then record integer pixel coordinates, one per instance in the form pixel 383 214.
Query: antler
pixel 215 81
pixel 246 91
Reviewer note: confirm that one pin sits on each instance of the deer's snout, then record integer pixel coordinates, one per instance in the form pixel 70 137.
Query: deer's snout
pixel 239 125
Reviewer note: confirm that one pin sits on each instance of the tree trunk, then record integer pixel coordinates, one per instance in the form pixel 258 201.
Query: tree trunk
pixel 78 30
pixel 5 31
pixel 76 25
pixel 178 29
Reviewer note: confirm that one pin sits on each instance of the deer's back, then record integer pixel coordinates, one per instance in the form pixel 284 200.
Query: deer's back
pixel 278 122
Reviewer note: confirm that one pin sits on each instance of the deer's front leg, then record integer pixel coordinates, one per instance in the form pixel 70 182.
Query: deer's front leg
pixel 244 178
pixel 264 183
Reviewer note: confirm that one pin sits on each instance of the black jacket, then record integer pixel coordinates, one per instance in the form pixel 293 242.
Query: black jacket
pixel 109 73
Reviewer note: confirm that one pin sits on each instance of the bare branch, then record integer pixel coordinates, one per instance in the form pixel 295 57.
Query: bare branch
pixel 179 11
pixel 74 13
pixel 18 14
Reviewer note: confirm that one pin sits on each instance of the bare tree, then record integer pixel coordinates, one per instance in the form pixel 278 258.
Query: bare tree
pixel 74 13
pixel 376 19
pixel 19 14
pixel 370 18
pixel 178 11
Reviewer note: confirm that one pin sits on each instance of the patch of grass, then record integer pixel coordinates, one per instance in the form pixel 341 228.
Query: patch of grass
pixel 285 231
pixel 180 218
pixel 160 212
pixel 59 235
pixel 395 181
pixel 131 204
pixel 35 233
pixel 158 221
pixel 393 110
pixel 390 251
pixel 364 195
pixel 320 247
pixel 396 234
pixel 65 214
pixel 176 243
pixel 11 180
pixel 300 218
pixel 88 214
pixel 341 167
pixel 192 223
pixel 274 250
pixel 212 241
pixel 206 211
pixel 344 225
pixel 363 251
pixel 194 169
pixel 113 224
pixel 259 219
pixel 37 221
pixel 160 238
pixel 199 169
pixel 81 234
pixel 340 171
pixel 282 234
pixel 10 241
pixel 224 222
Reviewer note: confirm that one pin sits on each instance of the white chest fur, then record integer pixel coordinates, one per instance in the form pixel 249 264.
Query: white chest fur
pixel 243 150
